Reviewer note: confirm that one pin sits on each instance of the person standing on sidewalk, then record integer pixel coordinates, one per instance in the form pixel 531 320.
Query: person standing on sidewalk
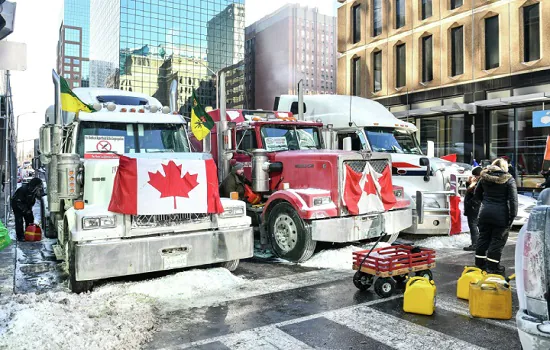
pixel 498 194
pixel 471 208
pixel 21 204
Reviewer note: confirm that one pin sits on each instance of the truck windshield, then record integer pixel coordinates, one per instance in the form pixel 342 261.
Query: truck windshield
pixel 94 137
pixel 392 141
pixel 290 137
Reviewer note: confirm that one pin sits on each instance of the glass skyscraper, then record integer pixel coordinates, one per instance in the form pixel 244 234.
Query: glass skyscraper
pixel 73 48
pixel 142 45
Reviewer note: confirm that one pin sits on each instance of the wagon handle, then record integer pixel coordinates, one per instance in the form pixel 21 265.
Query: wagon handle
pixel 370 251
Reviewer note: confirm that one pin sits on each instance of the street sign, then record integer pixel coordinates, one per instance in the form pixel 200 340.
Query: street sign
pixel 541 119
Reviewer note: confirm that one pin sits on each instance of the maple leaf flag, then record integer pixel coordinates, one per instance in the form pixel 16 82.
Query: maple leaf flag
pixel 145 186
pixel 369 191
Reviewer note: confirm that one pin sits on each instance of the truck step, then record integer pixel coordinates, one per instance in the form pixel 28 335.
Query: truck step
pixel 58 251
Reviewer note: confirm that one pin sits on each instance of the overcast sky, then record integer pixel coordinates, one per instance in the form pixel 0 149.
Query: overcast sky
pixel 37 25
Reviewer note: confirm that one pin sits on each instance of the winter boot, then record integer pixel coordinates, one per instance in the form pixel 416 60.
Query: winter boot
pixel 481 263
pixel 495 268
pixel 470 248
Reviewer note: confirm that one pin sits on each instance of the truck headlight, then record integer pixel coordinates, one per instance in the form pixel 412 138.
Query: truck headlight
pixel 232 212
pixel 95 222
pixel 321 201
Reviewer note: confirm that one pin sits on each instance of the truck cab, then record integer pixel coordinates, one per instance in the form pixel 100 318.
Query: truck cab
pixel 372 128
pixel 82 155
pixel 303 186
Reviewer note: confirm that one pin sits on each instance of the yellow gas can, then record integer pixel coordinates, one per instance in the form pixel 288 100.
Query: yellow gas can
pixel 419 296
pixel 469 275
pixel 491 297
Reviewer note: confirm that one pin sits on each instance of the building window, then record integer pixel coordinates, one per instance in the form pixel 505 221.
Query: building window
pixel 426 9
pixel 531 33
pixel 377 17
pixel 456 4
pixel 457 51
pixel 492 59
pixel 356 11
pixel 356 76
pixel 75 84
pixel 377 76
pixel 427 59
pixel 400 65
pixel 399 13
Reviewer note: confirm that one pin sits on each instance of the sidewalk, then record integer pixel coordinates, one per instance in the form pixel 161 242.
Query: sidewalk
pixel 7 256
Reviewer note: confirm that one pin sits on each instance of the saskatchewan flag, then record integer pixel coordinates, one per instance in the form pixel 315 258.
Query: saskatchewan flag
pixel 70 102
pixel 201 122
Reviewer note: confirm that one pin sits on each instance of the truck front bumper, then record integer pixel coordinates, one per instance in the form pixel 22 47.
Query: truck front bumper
pixel 122 257
pixel 356 228
pixel 434 224
pixel 529 334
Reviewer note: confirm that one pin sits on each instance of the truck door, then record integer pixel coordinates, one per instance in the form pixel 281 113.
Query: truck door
pixel 246 141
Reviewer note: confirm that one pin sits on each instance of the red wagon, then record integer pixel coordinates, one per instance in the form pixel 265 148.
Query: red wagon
pixel 390 265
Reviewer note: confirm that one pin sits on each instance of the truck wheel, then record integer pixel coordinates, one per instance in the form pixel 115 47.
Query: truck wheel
pixel 74 285
pixel 50 230
pixel 384 287
pixel 230 265
pixel 288 235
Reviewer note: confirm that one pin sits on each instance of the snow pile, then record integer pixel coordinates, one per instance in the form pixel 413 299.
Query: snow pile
pixel 455 241
pixel 116 316
pixel 338 259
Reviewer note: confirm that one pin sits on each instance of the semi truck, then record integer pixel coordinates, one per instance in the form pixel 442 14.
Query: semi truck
pixel 81 152
pixel 304 188
pixel 428 181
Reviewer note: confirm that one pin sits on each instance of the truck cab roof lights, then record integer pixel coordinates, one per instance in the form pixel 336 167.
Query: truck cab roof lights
pixel 97 106
pixel 111 106
pixel 141 111
pixel 154 109
pixel 132 110
pixel 165 110
pixel 78 205
pixel 123 110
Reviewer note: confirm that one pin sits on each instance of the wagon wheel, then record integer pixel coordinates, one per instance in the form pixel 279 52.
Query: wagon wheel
pixel 362 281
pixel 426 273
pixel 384 287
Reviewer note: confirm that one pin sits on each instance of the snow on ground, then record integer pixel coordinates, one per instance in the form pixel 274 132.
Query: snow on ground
pixel 115 316
pixel 337 259
pixel 441 242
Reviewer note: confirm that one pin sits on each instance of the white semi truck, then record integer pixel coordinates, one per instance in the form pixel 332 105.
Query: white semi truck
pixel 427 181
pixel 97 243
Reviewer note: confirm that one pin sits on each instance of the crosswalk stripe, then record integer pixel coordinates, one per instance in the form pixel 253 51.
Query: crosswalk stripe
pixel 460 307
pixel 265 338
pixel 394 331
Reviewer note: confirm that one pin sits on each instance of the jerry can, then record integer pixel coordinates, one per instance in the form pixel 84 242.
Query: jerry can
pixel 491 297
pixel 469 275
pixel 419 296
pixel 33 233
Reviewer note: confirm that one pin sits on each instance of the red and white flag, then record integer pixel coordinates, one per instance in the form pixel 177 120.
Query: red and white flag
pixel 369 191
pixel 146 186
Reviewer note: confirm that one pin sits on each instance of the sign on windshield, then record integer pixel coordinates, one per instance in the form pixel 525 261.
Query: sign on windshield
pixel 275 144
pixel 103 147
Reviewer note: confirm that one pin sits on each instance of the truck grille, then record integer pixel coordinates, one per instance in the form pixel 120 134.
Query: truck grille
pixel 359 165
pixel 141 221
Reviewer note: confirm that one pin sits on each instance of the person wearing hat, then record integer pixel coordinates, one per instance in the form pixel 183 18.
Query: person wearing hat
pixel 234 182
pixel 471 207
pixel 21 204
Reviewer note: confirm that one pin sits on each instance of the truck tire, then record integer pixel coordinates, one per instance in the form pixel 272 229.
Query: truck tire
pixel 74 285
pixel 230 265
pixel 288 235
pixel 50 230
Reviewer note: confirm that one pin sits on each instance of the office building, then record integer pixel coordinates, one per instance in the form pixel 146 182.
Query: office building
pixel 143 45
pixel 294 43
pixel 469 74
pixel 73 45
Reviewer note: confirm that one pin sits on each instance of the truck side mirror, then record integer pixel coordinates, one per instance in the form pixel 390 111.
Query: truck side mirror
pixel 347 144
pixel 45 144
pixel 207 143
pixel 426 162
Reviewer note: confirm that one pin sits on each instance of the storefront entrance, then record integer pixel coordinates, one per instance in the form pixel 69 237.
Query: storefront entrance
pixel 447 133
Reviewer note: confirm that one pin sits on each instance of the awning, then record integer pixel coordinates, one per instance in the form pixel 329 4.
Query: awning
pixel 507 101
pixel 454 108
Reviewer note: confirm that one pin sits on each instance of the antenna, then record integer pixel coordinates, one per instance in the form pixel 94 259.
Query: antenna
pixel 350 99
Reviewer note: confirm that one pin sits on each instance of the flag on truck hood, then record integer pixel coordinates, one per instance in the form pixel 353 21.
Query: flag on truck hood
pixel 146 186
pixel 201 122
pixel 70 102
pixel 369 191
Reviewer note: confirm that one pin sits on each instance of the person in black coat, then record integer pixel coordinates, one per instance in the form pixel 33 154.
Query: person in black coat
pixel 471 208
pixel 234 182
pixel 21 204
pixel 498 194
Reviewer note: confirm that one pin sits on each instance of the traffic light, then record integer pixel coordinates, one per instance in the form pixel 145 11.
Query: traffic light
pixel 7 18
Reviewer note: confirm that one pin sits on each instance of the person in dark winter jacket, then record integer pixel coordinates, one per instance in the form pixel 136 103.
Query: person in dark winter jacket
pixel 234 182
pixel 546 183
pixel 471 208
pixel 511 169
pixel 21 204
pixel 498 194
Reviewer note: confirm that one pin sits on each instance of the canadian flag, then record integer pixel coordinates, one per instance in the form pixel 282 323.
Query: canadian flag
pixel 369 191
pixel 145 186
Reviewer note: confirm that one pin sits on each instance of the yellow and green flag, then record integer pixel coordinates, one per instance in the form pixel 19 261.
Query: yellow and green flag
pixel 70 102
pixel 201 122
